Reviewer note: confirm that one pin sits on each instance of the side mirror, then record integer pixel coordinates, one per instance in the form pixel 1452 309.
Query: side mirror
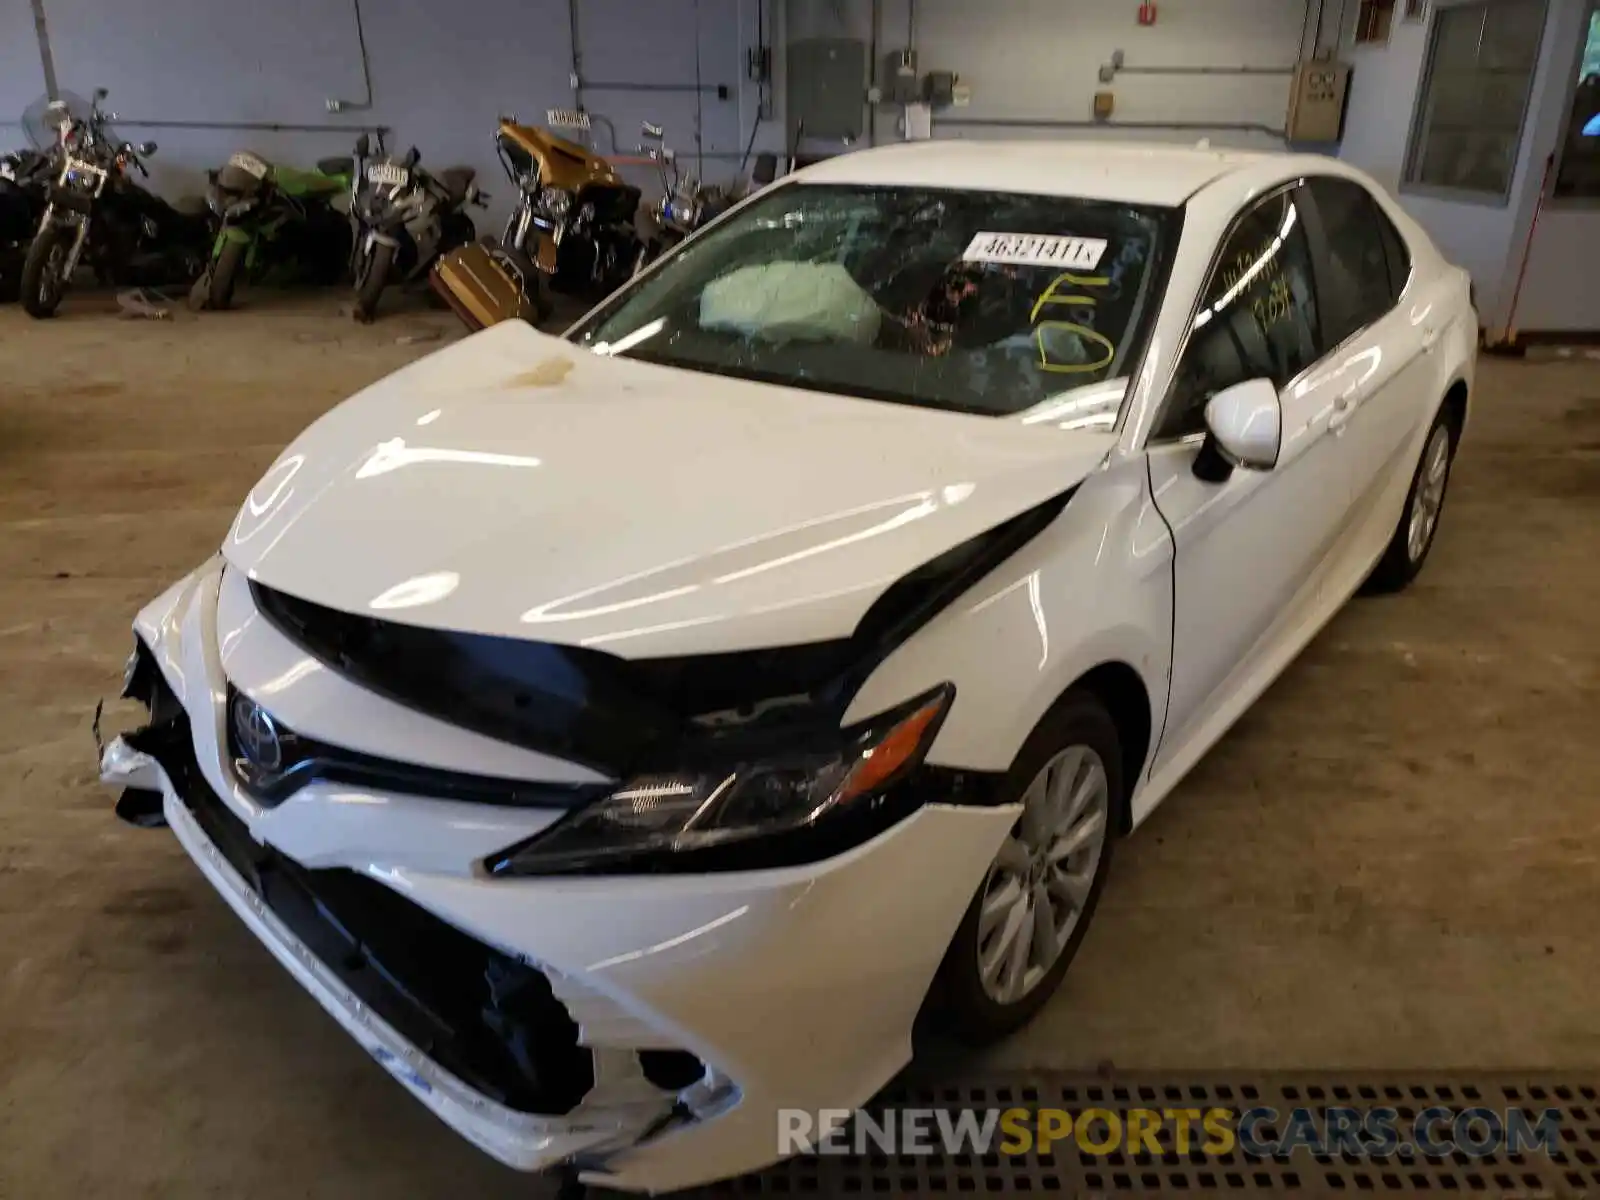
pixel 765 169
pixel 146 149
pixel 100 94
pixel 1244 425
pixel 363 146
pixel 413 157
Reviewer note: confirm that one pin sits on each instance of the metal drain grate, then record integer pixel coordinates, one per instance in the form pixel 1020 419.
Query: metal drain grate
pixel 1571 1168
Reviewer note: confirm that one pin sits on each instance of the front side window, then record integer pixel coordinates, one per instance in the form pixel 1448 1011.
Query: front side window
pixel 981 302
pixel 1481 60
pixel 1579 173
pixel 1257 317
pixel 1358 283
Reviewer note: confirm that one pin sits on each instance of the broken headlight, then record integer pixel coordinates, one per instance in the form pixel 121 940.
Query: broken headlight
pixel 780 810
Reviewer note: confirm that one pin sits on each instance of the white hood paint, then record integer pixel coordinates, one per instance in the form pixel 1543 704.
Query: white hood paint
pixel 514 484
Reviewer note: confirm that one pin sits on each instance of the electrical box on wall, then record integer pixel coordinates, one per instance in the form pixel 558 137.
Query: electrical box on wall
pixel 901 85
pixel 1316 101
pixel 827 86
pixel 941 88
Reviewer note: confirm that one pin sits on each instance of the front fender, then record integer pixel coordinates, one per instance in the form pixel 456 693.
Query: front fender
pixel 1095 587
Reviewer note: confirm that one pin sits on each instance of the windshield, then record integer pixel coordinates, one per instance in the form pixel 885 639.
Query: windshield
pixel 983 302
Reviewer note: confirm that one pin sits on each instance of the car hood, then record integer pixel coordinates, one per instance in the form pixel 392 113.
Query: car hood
pixel 516 485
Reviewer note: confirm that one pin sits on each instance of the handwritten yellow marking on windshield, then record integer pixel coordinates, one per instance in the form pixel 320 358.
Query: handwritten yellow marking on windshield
pixel 1051 296
pixel 1084 332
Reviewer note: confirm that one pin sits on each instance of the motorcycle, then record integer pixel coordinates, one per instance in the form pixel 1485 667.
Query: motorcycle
pixel 403 219
pixel 573 229
pixel 274 216
pixel 686 204
pixel 24 186
pixel 130 235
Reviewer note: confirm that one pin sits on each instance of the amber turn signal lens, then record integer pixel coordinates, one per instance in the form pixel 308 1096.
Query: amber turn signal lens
pixel 900 746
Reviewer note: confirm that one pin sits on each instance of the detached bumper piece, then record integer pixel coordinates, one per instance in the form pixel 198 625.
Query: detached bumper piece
pixel 487 1019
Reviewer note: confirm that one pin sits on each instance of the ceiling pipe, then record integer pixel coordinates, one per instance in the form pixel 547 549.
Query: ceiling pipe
pixel 1204 70
pixel 255 126
pixel 335 105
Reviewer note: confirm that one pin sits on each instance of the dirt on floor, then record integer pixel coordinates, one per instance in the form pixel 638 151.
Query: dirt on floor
pixel 1392 862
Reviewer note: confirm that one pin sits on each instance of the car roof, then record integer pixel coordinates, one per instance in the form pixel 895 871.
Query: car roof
pixel 1092 169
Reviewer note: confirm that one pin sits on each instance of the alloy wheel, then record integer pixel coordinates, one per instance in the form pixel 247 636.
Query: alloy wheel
pixel 1041 880
pixel 1428 496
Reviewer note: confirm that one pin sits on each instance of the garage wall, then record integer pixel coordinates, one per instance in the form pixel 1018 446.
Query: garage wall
pixel 21 75
pixel 1039 59
pixel 181 71
pixel 1484 237
pixel 441 72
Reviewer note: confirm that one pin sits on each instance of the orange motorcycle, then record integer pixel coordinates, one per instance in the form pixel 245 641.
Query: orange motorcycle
pixel 573 229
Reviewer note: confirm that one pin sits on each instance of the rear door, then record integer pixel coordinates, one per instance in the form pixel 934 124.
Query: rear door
pixel 1381 333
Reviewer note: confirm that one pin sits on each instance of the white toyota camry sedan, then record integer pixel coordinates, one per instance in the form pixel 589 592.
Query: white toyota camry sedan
pixel 626 735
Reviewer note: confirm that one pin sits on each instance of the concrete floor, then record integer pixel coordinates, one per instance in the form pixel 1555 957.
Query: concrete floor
pixel 1392 861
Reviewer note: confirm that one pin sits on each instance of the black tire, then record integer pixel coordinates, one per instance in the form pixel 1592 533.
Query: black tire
pixel 42 287
pixel 224 275
pixel 457 231
pixel 539 297
pixel 371 278
pixel 959 1003
pixel 1402 560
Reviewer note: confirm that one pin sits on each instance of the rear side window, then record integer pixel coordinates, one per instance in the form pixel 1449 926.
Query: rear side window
pixel 1257 317
pixel 1395 252
pixel 1366 264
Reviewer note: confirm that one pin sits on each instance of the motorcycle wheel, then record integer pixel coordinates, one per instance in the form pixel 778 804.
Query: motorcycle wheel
pixel 42 285
pixel 371 278
pixel 224 274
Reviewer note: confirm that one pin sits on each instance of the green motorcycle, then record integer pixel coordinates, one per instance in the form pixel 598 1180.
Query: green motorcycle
pixel 276 220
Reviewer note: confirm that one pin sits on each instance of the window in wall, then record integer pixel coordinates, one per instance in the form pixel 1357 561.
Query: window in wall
pixel 1474 101
pixel 1258 319
pixel 1373 18
pixel 1579 172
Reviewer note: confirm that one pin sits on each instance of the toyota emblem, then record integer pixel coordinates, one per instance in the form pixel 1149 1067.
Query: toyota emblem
pixel 257 734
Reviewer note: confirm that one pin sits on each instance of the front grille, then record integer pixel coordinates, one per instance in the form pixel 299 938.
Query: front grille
pixel 300 760
pixel 487 1019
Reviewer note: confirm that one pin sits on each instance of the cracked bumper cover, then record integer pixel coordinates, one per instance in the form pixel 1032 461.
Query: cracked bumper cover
pixel 796 987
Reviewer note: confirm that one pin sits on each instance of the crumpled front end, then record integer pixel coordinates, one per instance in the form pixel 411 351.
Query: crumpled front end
pixel 645 1028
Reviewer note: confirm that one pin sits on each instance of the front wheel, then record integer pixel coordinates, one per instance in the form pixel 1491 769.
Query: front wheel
pixel 372 276
pixel 44 271
pixel 1023 928
pixel 224 275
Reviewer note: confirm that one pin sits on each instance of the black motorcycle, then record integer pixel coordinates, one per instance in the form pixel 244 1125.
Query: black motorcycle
pixel 404 218
pixel 24 189
pixel 96 214
pixel 687 204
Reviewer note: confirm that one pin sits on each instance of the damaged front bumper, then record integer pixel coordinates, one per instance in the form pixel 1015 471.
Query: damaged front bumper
pixel 644 1029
